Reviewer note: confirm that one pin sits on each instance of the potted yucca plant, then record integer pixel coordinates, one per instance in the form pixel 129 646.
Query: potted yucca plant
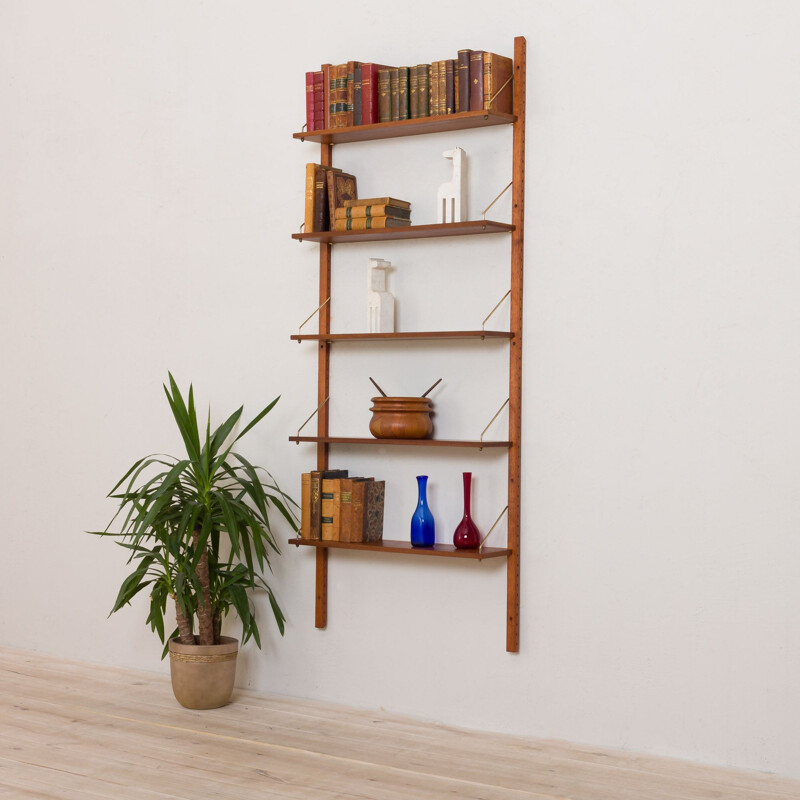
pixel 198 531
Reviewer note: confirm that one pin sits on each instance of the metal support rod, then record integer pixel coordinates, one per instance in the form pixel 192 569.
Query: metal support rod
pixel 494 96
pixel 496 199
pixel 480 547
pixel 311 315
pixel 483 324
pixel 494 417
pixel 313 414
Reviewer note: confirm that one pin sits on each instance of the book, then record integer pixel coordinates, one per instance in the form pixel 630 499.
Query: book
pixel 462 69
pixel 449 87
pixel 384 95
pixel 402 92
pixel 374 492
pixel 305 505
pixel 330 509
pixel 338 96
pixel 310 116
pixel 434 88
pixel 382 210
pixel 424 77
pixel 326 95
pixel 350 93
pixel 476 80
pixel 355 523
pixel 394 93
pixel 413 92
pixel 341 188
pixel 498 94
pixel 369 223
pixel 357 102
pixel 321 217
pixel 311 171
pixel 376 201
pixel 315 485
pixel 369 92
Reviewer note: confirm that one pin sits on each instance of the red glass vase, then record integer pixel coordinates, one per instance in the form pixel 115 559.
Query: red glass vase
pixel 466 536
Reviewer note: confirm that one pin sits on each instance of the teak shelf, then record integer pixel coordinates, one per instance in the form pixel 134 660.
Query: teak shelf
pixel 408 442
pixel 407 127
pixel 325 339
pixel 471 227
pixel 406 548
pixel 400 336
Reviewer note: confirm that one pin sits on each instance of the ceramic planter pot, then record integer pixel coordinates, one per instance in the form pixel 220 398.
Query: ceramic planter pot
pixel 401 418
pixel 203 675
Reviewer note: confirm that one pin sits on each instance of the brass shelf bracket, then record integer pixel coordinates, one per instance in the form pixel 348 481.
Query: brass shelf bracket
pixel 313 414
pixel 483 541
pixel 483 324
pixel 311 315
pixel 494 418
pixel 511 183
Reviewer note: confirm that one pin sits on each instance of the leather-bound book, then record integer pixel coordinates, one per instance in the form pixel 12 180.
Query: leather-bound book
pixel 350 93
pixel 384 95
pixel 462 70
pixel 341 189
pixel 476 80
pixel 369 93
pixel 355 532
pixel 376 201
pixel 338 96
pixel 449 87
pixel 369 223
pixel 402 93
pixel 310 119
pixel 321 214
pixel 357 102
pixel 330 516
pixel 381 210
pixel 311 172
pixel 305 506
pixel 373 514
pixel 394 93
pixel 317 476
pixel 434 83
pixel 326 95
pixel 442 87
pixel 413 92
pixel 498 94
pixel 424 77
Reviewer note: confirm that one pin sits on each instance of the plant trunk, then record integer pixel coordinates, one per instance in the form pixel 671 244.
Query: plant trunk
pixel 205 614
pixel 217 626
pixel 185 635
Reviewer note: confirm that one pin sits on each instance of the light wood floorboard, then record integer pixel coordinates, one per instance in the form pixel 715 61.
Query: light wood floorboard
pixel 70 730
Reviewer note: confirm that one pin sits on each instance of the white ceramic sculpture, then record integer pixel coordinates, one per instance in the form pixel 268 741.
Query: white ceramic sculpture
pixel 451 199
pixel 380 303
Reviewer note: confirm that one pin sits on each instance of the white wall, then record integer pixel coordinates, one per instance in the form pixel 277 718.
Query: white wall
pixel 149 187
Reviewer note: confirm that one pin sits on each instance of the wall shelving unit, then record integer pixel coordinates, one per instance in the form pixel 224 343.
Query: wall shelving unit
pixel 325 339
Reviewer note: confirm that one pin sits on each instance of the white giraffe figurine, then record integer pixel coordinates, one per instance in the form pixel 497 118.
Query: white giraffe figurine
pixel 451 199
pixel 380 303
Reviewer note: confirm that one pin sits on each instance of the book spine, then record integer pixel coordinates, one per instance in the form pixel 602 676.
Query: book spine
pixel 326 95
pixel 476 80
pixel 330 509
pixel 338 104
pixel 310 118
pixel 305 506
pixel 357 98
pixel 442 87
pixel 434 88
pixel 413 92
pixel 449 91
pixel 357 512
pixel 321 217
pixel 346 509
pixel 498 92
pixel 423 104
pixel 369 223
pixel 314 525
pixel 376 201
pixel 462 98
pixel 373 524
pixel 402 92
pixel 311 172
pixel 384 96
pixel 394 93
pixel 319 103
pixel 383 210
pixel 350 86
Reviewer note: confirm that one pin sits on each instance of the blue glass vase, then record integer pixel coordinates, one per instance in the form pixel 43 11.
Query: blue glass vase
pixel 423 529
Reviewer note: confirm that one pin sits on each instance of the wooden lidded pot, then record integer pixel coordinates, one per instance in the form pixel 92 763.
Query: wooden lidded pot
pixel 401 418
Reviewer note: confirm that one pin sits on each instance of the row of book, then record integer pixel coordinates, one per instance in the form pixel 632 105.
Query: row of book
pixel 338 508
pixel 332 204
pixel 363 93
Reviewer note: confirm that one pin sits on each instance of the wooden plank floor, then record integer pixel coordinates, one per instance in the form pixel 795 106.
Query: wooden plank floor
pixel 68 730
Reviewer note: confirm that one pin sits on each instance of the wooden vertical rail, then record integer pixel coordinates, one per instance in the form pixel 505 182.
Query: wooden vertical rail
pixel 323 391
pixel 515 352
